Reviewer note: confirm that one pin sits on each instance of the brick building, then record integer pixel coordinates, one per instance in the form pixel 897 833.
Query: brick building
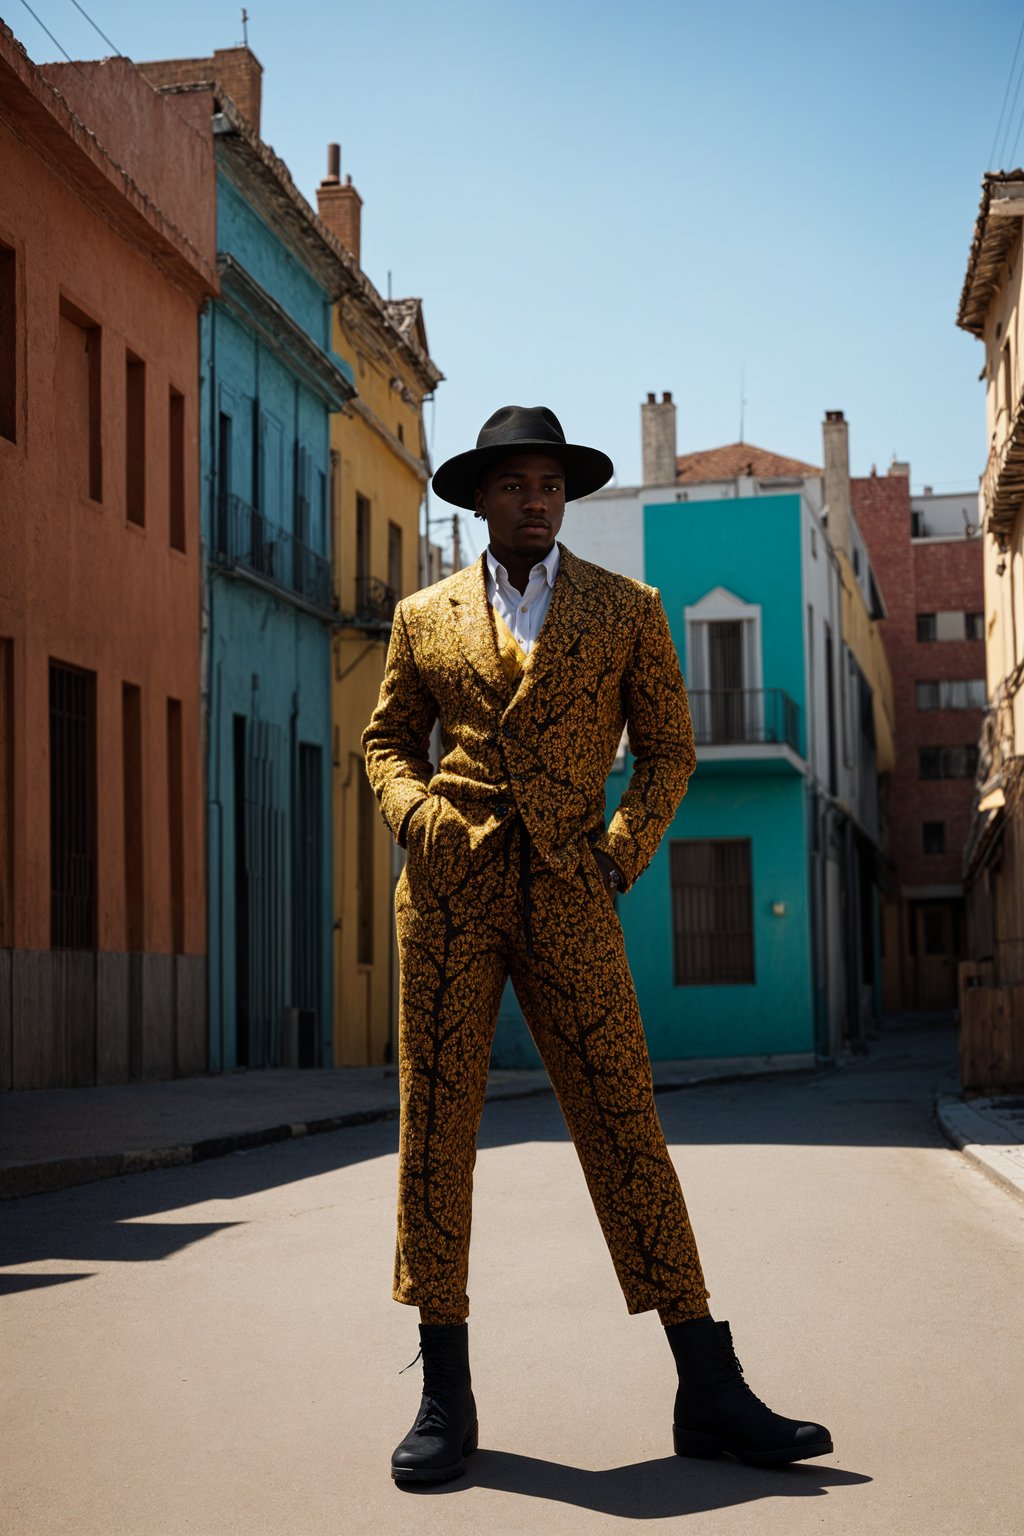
pixel 928 558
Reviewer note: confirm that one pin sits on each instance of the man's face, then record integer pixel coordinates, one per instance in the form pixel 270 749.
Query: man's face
pixel 523 500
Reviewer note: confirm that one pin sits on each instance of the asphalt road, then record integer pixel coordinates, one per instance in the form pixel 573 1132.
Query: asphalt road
pixel 212 1350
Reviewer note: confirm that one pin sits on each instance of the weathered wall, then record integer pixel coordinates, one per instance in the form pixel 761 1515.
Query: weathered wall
pixel 81 585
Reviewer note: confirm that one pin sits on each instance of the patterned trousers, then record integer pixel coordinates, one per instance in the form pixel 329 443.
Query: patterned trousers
pixel 466 922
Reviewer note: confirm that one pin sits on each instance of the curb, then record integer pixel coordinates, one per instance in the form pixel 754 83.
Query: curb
pixel 978 1139
pixel 40 1178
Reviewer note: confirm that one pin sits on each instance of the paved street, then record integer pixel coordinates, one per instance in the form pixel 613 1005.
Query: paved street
pixel 211 1350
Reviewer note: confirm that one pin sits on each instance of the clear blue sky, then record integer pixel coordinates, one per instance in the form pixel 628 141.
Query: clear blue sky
pixel 598 199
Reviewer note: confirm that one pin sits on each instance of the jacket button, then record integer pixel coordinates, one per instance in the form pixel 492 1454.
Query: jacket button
pixel 501 810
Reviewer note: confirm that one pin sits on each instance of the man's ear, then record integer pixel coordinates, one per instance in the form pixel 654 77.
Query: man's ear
pixel 478 502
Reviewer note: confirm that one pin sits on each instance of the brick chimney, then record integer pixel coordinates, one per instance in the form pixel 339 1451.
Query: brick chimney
pixel 836 441
pixel 900 468
pixel 340 205
pixel 237 71
pixel 658 439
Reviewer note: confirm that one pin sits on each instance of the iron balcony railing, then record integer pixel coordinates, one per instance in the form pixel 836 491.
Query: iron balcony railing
pixel 244 537
pixel 724 717
pixel 375 601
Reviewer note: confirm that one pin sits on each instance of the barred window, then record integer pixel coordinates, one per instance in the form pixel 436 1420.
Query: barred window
pixel 712 912
pixel 947 762
pixel 952 693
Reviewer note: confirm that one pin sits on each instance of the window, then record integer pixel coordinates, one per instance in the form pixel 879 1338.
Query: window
pixel 947 762
pixel 6 793
pixel 134 867
pixel 8 344
pixel 362 538
pixel 712 912
pixel 176 824
pixel 917 532
pixel 72 807
pixel 135 439
pixel 933 836
pixel 176 469
pixel 224 480
pixel 365 833
pixel 78 403
pixel 951 624
pixel 954 693
pixel 395 558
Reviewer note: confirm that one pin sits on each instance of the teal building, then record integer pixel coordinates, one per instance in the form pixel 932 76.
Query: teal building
pixel 752 935
pixel 269 384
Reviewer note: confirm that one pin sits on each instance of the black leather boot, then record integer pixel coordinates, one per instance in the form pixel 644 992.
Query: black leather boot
pixel 716 1410
pixel 445 1431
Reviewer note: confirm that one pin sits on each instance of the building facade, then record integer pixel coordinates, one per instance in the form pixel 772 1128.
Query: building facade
pixel 753 933
pixel 270 383
pixel 379 452
pixel 928 558
pixel 106 255
pixel 992 998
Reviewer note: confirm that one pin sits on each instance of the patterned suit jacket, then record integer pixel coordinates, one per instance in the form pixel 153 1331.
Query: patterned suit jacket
pixel 604 659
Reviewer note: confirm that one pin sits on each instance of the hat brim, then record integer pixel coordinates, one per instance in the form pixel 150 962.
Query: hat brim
pixel 586 469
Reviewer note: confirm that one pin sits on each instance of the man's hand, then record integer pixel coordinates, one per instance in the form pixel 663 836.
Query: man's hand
pixel 610 871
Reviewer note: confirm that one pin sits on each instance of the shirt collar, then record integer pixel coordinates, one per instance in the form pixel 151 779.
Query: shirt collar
pixel 549 565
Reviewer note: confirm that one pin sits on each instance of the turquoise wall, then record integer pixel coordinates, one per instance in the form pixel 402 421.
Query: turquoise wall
pixel 266 660
pixel 752 547
pixel 255 246
pixel 775 1013
pixel 749 545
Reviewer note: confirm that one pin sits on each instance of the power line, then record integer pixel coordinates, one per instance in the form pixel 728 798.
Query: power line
pixel 1009 120
pixel 1020 126
pixel 95 28
pixel 1006 97
pixel 49 34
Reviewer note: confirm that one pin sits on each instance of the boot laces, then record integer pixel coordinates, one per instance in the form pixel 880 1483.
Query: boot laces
pixel 741 1379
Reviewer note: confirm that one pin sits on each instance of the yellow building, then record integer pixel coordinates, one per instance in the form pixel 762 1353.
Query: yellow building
pixel 380 467
pixel 991 308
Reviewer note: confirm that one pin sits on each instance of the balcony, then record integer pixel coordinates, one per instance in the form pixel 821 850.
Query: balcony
pixel 746 725
pixel 375 602
pixel 246 540
pixel 1003 481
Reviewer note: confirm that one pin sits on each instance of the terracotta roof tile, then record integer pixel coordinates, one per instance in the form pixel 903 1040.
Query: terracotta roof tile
pixel 736 459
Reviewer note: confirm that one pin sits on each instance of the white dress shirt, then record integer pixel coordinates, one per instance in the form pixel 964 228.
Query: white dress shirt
pixel 523 612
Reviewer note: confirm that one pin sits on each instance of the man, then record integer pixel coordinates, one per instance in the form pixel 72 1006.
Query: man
pixel 533 662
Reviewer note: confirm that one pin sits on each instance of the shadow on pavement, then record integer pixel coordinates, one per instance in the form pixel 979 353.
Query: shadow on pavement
pixel 883 1099
pixel 645 1490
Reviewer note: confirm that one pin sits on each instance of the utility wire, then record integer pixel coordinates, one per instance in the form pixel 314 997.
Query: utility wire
pixel 95 28
pixel 1009 121
pixel 1006 97
pixel 49 34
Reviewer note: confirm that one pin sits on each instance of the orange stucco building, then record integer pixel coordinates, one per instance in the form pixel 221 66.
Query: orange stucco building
pixel 107 253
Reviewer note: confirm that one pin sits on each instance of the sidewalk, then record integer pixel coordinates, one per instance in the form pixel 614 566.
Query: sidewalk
pixel 991 1133
pixel 52 1138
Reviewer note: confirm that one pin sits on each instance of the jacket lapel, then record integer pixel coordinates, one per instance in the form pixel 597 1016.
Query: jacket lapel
pixel 472 618
pixel 575 609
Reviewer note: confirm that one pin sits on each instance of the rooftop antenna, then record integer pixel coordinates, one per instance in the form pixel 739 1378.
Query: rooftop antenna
pixel 245 27
pixel 743 400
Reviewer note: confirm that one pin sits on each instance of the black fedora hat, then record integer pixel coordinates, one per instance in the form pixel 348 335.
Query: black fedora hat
pixel 521 429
